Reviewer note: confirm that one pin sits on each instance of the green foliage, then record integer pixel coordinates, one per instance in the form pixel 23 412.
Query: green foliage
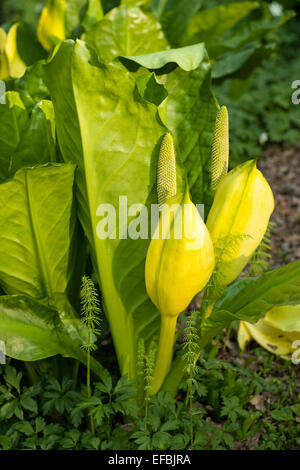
pixel 32 89
pixel 187 85
pixel 126 31
pixel 107 401
pixel 32 331
pixel 191 353
pixel 224 252
pixel 27 136
pixel 45 242
pixel 142 72
pixel 90 317
pixel 90 314
pixel 273 119
pixel 83 145
pixel 236 406
pixel 12 10
pixel 277 287
pixel 191 350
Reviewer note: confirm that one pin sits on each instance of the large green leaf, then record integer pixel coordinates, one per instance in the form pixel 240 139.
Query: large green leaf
pixel 191 110
pixel 126 31
pixel 241 51
pixel 29 48
pixel 188 58
pixel 13 120
pixel 25 139
pixel 113 135
pixel 174 15
pixel 32 331
pixel 254 30
pixel 242 61
pixel 232 43
pixel 36 230
pixel 93 14
pixel 250 299
pixel 73 16
pixel 210 25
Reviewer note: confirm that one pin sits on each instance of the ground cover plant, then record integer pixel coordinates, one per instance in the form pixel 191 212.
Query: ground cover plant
pixel 109 112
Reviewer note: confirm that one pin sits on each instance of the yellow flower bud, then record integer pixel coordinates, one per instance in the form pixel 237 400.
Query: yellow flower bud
pixel 240 212
pixel 51 27
pixel 179 263
pixel 178 268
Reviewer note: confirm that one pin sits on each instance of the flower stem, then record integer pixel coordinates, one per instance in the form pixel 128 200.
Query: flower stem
pixel 164 353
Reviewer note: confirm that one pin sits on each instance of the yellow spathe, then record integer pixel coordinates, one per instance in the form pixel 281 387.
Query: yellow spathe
pixel 51 27
pixel 276 332
pixel 177 269
pixel 242 206
pixel 11 63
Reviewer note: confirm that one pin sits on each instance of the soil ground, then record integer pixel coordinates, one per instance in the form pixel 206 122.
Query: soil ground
pixel 282 170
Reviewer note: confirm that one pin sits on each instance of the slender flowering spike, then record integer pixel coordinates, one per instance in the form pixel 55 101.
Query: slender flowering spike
pixel 179 263
pixel 241 209
pixel 51 25
pixel 220 148
pixel 166 170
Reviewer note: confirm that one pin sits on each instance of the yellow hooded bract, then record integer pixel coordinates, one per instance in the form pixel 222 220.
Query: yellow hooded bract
pixel 276 332
pixel 16 65
pixel 11 63
pixel 51 27
pixel 242 208
pixel 178 267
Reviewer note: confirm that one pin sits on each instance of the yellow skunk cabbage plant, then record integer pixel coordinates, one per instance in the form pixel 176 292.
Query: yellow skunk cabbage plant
pixel 11 63
pixel 51 27
pixel 180 258
pixel 107 122
pixel 237 222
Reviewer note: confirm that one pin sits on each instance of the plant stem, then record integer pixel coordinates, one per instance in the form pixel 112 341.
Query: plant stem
pixel 191 417
pixel 88 384
pixel 146 412
pixel 164 354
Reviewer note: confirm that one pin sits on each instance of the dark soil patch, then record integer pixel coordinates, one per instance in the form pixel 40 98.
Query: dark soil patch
pixel 282 170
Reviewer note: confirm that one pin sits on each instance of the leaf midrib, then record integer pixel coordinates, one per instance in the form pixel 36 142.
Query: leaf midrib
pixel 41 261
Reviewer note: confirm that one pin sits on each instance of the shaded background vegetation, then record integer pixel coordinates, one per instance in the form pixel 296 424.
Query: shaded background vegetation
pixel 273 119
